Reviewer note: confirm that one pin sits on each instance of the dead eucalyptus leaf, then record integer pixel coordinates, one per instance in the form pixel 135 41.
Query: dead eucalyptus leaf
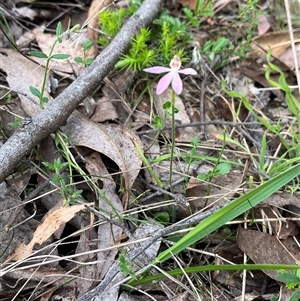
pixel 51 223
pixel 277 41
pixel 257 244
pixel 111 140
pixel 108 234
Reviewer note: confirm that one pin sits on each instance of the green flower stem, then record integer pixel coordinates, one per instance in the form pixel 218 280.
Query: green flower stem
pixel 171 208
pixel 172 139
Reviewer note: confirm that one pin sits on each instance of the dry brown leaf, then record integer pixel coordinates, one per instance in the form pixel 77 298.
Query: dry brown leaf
pixel 11 214
pixel 282 199
pixel 111 140
pixel 277 41
pixel 104 110
pixel 264 248
pixel 288 58
pixel 21 74
pixel 190 3
pixel 46 229
pixel 107 234
pixel 221 188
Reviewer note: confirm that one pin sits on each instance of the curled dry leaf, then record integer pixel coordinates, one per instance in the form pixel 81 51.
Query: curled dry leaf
pixel 108 235
pixel 113 141
pixel 277 41
pixel 46 229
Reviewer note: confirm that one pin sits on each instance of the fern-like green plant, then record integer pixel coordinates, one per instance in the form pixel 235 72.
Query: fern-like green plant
pixel 110 22
pixel 140 56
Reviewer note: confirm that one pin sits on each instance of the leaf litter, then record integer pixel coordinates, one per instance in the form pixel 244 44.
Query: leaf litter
pixel 95 136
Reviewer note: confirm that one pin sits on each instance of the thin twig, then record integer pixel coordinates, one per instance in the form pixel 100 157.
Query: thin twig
pixel 195 124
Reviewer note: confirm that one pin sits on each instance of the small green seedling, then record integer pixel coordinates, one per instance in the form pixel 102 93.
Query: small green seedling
pixel 219 170
pixel 15 124
pixel 292 282
pixel 125 265
pixel 85 61
pixel 40 93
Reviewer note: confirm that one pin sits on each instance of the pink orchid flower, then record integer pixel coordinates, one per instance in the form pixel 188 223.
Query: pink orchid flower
pixel 172 76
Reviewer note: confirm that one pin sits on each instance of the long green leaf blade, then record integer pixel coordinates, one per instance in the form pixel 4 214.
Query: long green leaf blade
pixel 231 211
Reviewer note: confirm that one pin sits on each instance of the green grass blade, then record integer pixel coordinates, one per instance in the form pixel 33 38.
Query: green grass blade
pixel 231 211
pixel 210 268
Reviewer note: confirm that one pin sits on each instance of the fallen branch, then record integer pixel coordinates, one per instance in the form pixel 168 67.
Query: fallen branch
pixel 57 113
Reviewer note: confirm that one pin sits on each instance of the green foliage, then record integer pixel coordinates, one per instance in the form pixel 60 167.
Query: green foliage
pixel 221 46
pixel 292 282
pixel 16 123
pixel 125 265
pixel 162 217
pixel 190 159
pixel 159 123
pixel 110 22
pixel 220 170
pixel 139 55
pixel 204 8
pixel 170 36
pixel 40 93
pixel 249 13
pixel 193 20
pixel 85 61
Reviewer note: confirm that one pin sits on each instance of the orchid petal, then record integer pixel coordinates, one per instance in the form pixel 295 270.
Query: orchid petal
pixel 157 70
pixel 188 71
pixel 177 83
pixel 164 82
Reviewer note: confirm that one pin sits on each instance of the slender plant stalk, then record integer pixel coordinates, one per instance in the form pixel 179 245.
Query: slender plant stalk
pixel 172 140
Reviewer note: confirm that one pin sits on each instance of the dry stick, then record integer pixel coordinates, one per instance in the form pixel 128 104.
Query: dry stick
pixel 202 94
pixel 194 124
pixel 140 248
pixel 57 112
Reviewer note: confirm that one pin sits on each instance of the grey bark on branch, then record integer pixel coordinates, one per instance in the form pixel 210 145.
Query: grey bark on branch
pixel 56 114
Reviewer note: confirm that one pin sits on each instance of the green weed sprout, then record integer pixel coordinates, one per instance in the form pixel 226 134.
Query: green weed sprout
pixel 40 93
pixel 292 282
pixel 85 61
pixel 125 267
